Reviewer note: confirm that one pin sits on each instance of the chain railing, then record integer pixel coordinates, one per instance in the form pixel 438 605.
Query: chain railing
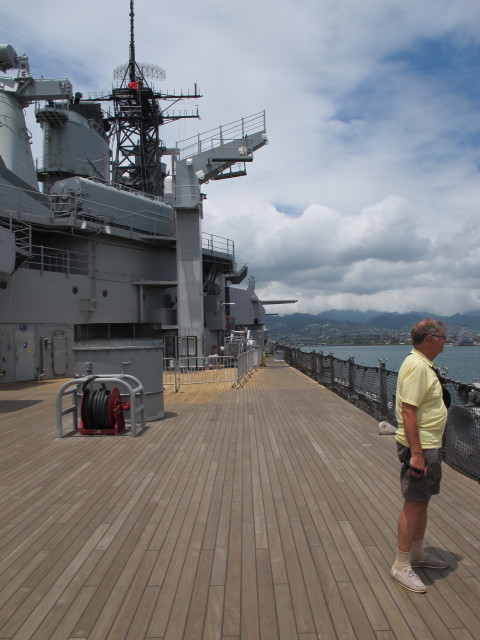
pixel 373 390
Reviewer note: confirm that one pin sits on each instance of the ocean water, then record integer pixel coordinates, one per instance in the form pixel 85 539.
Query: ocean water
pixel 462 363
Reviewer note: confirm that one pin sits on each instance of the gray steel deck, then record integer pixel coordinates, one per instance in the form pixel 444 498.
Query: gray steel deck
pixel 263 512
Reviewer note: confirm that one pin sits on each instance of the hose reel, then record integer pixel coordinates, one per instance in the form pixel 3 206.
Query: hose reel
pixel 101 410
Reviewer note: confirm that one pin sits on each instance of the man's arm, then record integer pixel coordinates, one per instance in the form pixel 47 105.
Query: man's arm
pixel 409 416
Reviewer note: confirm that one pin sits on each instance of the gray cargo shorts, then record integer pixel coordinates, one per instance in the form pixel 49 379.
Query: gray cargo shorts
pixel 421 489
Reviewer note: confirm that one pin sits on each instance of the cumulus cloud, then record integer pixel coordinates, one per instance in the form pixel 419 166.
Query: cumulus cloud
pixel 367 194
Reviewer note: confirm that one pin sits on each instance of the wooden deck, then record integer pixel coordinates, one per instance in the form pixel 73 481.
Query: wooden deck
pixel 263 512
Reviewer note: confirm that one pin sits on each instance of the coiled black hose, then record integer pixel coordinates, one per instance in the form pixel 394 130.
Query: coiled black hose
pixel 95 408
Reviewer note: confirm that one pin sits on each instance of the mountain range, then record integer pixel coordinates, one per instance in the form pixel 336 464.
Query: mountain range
pixel 372 320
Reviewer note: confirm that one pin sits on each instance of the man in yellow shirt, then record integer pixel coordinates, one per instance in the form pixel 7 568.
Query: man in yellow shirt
pixel 421 417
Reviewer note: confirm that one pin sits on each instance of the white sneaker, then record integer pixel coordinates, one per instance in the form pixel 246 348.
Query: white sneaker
pixel 408 579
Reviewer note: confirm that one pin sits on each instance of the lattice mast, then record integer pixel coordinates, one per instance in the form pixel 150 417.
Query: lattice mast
pixel 138 149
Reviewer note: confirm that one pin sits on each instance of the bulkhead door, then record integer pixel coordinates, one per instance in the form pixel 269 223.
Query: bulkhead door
pixel 24 356
pixel 59 346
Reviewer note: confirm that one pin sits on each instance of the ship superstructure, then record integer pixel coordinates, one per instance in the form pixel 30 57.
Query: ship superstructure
pixel 464 338
pixel 111 250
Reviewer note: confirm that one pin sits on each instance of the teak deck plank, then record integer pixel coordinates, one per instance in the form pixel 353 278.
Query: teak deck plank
pixel 263 513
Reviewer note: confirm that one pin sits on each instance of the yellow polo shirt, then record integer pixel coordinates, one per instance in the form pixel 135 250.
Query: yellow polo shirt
pixel 418 385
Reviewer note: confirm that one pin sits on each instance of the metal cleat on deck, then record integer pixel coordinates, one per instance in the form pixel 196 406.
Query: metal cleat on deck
pixel 386 429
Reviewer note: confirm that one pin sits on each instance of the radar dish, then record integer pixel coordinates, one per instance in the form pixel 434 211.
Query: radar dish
pixel 147 70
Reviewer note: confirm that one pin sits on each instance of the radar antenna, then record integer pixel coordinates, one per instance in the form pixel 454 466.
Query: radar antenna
pixel 138 149
pixel 132 43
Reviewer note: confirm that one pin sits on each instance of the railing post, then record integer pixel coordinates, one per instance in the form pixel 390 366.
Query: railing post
pixel 320 362
pixel 351 375
pixel 176 376
pixel 332 371
pixel 383 389
pixel 312 364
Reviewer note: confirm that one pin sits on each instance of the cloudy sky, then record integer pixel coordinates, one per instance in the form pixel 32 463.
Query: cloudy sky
pixel 368 194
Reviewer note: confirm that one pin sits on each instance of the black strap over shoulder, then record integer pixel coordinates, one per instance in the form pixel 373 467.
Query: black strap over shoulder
pixel 447 398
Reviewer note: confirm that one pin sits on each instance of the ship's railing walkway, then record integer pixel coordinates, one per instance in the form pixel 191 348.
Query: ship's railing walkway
pixel 92 213
pixel 57 260
pixel 43 258
pixel 373 389
pixel 221 135
pixel 213 369
pixel 47 258
pixel 213 244
pixel 22 233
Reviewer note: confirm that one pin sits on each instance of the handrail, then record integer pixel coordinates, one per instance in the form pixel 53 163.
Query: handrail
pixel 73 210
pixel 221 135
pixel 218 244
pixel 58 260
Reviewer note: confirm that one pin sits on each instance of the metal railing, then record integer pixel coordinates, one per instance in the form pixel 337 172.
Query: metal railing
pixel 373 390
pixel 80 210
pixel 186 370
pixel 96 214
pixel 42 258
pixel 22 232
pixel 247 362
pixel 217 244
pixel 57 260
pixel 222 135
